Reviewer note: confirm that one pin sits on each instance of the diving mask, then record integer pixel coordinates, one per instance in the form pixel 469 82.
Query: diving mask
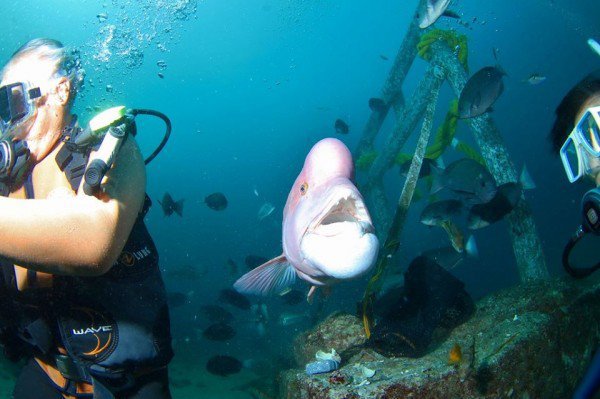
pixel 16 104
pixel 582 146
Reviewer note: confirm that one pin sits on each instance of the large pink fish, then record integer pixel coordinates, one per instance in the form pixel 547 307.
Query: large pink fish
pixel 328 234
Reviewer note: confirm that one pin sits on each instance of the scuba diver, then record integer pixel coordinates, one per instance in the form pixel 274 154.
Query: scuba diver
pixel 82 298
pixel 575 136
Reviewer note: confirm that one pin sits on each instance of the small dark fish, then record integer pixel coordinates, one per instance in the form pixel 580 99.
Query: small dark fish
pixel 448 257
pixel 383 57
pixel 223 365
pixel 253 261
pixel 233 269
pixel 216 201
pixel 441 211
pixel 185 272
pixel 467 178
pixel 169 206
pixel 216 314
pixel 219 332
pixel 377 104
pixel 177 299
pixel 502 204
pixel 161 75
pixel 480 92
pixel 293 297
pixel 341 127
pixel 425 167
pixel 234 298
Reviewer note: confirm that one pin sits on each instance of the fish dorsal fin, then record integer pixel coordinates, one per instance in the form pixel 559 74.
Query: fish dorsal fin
pixel 269 278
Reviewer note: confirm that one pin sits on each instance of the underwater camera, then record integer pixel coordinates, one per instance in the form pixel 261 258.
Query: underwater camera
pixel 590 209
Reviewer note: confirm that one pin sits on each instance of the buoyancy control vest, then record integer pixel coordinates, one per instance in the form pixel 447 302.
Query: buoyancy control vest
pixel 110 326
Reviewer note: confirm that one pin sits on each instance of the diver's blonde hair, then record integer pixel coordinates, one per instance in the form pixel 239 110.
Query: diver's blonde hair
pixel 65 62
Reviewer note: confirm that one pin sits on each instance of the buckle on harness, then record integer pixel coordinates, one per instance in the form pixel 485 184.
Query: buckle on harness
pixel 69 369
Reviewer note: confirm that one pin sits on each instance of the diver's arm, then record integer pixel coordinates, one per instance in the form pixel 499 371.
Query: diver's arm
pixel 76 235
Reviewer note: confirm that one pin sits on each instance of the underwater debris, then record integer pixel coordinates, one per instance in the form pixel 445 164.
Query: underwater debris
pixel 454 40
pixel 321 366
pixel 326 362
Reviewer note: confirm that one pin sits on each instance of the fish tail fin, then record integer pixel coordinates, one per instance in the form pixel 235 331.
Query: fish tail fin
pixel 438 182
pixel 471 247
pixel 526 180
pixel 269 278
pixel 502 70
pixel 178 207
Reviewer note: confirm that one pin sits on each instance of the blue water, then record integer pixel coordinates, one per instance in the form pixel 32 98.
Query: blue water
pixel 251 85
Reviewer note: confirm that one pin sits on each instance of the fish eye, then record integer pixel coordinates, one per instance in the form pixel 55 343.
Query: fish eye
pixel 303 188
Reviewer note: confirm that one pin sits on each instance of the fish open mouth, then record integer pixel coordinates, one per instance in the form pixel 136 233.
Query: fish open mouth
pixel 347 208
pixel 340 242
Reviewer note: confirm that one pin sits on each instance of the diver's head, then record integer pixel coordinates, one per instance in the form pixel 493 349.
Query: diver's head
pixel 575 135
pixel 38 86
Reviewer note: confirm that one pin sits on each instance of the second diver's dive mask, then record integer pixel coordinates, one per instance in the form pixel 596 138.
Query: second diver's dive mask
pixel 16 108
pixel 16 105
pixel 580 150
pixel 582 146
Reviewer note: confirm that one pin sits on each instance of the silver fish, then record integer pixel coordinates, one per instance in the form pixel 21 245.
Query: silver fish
pixel 433 10
pixel 437 212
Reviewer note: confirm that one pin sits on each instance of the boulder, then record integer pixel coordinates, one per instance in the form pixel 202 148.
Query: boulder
pixel 529 341
pixel 339 331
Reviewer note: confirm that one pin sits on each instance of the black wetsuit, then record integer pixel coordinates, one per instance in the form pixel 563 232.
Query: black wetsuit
pixel 114 327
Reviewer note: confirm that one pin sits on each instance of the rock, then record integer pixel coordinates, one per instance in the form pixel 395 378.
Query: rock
pixel 427 308
pixel 339 331
pixel 541 353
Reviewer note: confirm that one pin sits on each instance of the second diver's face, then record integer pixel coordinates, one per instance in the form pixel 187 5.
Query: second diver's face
pixel 42 128
pixel 593 162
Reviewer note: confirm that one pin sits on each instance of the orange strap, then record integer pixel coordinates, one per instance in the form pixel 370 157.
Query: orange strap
pixel 59 380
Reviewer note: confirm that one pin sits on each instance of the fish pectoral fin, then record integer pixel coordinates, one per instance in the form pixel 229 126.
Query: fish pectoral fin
pixel 269 278
pixel 311 294
pixel 178 207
